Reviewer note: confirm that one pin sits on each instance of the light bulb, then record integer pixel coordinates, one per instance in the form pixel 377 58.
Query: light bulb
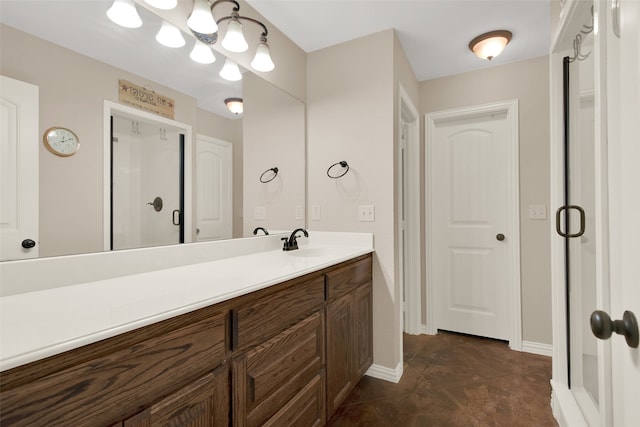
pixel 234 39
pixel 234 105
pixel 202 53
pixel 230 71
pixel 163 4
pixel 262 61
pixel 125 14
pixel 201 19
pixel 170 36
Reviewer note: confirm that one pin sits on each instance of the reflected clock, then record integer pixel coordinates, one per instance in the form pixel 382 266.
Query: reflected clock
pixel 61 141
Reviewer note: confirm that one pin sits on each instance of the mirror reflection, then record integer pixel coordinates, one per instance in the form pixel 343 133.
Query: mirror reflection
pixel 75 83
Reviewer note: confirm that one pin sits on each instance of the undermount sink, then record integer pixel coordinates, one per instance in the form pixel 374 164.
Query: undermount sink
pixel 310 252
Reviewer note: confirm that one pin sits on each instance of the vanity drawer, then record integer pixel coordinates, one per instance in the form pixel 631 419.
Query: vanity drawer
pixel 347 278
pixel 118 380
pixel 266 315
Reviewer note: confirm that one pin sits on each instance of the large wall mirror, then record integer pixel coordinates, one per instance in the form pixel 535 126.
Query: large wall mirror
pixel 76 57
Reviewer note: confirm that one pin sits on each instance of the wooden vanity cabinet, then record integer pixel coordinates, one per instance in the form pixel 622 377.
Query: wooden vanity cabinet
pixel 173 369
pixel 349 329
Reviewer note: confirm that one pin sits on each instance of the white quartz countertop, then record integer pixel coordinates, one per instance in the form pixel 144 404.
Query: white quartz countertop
pixel 39 324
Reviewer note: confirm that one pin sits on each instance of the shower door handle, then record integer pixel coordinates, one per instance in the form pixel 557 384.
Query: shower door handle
pixel 177 217
pixel 582 221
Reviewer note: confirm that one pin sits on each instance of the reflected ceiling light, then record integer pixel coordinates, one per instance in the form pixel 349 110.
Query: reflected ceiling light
pixel 125 14
pixel 234 40
pixel 262 61
pixel 201 19
pixel 202 53
pixel 491 44
pixel 230 71
pixel 163 4
pixel 170 36
pixel 234 105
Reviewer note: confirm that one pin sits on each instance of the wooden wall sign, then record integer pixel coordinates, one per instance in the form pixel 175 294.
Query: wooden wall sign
pixel 145 99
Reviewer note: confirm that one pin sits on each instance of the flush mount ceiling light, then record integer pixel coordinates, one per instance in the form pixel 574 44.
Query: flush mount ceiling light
pixel 234 105
pixel 205 27
pixel 491 44
pixel 125 14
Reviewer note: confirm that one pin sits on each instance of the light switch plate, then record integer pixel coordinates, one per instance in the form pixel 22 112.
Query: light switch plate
pixel 366 213
pixel 259 212
pixel 299 212
pixel 537 212
pixel 315 212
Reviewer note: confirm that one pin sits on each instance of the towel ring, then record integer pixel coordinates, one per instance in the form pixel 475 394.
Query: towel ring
pixel 275 173
pixel 342 163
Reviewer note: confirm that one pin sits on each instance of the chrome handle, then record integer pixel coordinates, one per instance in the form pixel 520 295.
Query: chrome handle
pixel 602 327
pixel 582 221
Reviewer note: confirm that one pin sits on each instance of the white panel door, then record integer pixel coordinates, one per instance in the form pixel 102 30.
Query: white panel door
pixel 469 225
pixel 19 165
pixel 214 182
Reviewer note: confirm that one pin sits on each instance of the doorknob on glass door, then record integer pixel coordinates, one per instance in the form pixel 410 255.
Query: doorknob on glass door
pixel 500 237
pixel 602 327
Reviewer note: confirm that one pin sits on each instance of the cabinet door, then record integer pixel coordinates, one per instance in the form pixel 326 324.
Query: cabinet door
pixel 268 376
pixel 205 402
pixel 363 353
pixel 306 409
pixel 339 351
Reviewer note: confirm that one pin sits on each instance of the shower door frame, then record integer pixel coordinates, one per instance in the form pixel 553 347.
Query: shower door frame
pixel 113 108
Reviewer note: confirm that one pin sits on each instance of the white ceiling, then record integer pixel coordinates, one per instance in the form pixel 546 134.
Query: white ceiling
pixel 435 34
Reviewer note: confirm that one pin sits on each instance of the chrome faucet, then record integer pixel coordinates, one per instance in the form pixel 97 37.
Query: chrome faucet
pixel 291 243
pixel 255 231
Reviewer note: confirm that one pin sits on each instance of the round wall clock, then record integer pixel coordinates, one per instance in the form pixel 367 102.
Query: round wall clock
pixel 61 141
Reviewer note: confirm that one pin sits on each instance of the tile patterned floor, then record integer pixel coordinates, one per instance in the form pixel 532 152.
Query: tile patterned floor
pixel 455 380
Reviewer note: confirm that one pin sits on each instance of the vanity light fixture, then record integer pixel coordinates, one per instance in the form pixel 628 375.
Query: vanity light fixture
pixel 234 40
pixel 234 105
pixel 202 54
pixel 230 71
pixel 170 36
pixel 125 14
pixel 163 4
pixel 491 44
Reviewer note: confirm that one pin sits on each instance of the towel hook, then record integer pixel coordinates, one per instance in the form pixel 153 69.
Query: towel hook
pixel 342 163
pixel 265 180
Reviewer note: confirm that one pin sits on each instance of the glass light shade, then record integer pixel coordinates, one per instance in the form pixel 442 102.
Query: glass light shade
pixel 230 71
pixel 234 105
pixel 201 19
pixel 490 45
pixel 170 36
pixel 125 14
pixel 234 39
pixel 163 4
pixel 202 53
pixel 262 61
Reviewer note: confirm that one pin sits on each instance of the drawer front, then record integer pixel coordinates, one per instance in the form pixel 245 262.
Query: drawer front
pixel 103 390
pixel 347 278
pixel 256 321
pixel 306 409
pixel 268 376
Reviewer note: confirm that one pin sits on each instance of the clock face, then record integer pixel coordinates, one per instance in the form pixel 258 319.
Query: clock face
pixel 61 141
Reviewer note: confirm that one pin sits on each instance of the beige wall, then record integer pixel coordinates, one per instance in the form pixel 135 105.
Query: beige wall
pixel 527 81
pixel 72 91
pixel 350 116
pixel 274 136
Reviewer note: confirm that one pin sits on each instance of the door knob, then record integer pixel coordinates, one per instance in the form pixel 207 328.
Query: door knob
pixel 500 237
pixel 602 327
pixel 28 243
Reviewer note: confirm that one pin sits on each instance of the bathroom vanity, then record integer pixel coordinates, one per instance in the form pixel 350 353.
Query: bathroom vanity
pixel 287 353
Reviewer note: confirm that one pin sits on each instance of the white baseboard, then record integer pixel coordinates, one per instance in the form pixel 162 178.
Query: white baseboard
pixel 387 374
pixel 537 348
pixel 425 330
